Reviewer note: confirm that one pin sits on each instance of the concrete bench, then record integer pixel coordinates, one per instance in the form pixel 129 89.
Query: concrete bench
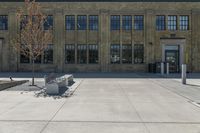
pixel 53 86
pixel 69 79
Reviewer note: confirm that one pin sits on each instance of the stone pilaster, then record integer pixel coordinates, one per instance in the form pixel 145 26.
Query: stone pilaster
pixel 59 39
pixel 149 25
pixel 12 28
pixel 104 41
pixel 195 26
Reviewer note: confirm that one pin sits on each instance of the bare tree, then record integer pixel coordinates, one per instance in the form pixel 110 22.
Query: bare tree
pixel 32 39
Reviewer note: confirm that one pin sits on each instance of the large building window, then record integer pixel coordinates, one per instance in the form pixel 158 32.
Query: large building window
pixel 38 59
pixel 127 22
pixel 184 22
pixel 115 22
pixel 70 22
pixel 172 22
pixel 48 24
pixel 138 22
pixel 138 53
pixel 24 58
pixel 48 54
pixel 160 22
pixel 93 53
pixel 93 22
pixel 82 22
pixel 23 22
pixel 69 53
pixel 82 53
pixel 115 54
pixel 3 22
pixel 126 53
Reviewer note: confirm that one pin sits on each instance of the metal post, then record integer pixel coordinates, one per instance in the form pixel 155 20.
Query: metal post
pixel 184 69
pixel 162 68
pixel 167 68
pixel 45 80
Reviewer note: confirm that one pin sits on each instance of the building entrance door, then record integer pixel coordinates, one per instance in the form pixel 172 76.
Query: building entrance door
pixel 172 56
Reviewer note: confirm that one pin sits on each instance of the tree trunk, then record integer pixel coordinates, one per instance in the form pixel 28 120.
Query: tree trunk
pixel 33 71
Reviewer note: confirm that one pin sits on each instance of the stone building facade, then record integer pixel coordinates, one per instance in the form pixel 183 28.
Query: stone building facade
pixel 110 36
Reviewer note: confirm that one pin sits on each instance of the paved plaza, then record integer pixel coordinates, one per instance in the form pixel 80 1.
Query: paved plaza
pixel 105 103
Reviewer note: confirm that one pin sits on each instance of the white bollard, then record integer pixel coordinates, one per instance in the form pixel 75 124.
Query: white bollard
pixel 45 80
pixel 184 69
pixel 162 68
pixel 167 68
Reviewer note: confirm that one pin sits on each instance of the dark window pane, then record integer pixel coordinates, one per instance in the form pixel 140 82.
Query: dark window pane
pixel 48 54
pixel 93 22
pixel 93 53
pixel 82 22
pixel 127 22
pixel 138 22
pixel 82 54
pixel 69 53
pixel 172 22
pixel 115 54
pixel 24 59
pixel 38 59
pixel 160 22
pixel 115 22
pixel 138 53
pixel 23 22
pixel 48 24
pixel 3 22
pixel 126 53
pixel 184 22
pixel 70 22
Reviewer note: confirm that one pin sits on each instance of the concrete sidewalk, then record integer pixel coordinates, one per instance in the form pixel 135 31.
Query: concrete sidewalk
pixel 106 105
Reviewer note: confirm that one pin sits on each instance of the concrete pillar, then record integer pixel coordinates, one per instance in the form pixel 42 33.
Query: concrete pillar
pixel 59 39
pixel 195 26
pixel 1 53
pixel 167 67
pixel 12 28
pixel 104 40
pixel 184 75
pixel 162 68
pixel 149 27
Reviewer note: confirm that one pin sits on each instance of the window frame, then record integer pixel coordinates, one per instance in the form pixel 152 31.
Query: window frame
pixel 48 25
pixel 115 24
pixel 82 52
pixel 72 49
pixel 115 50
pixel 70 19
pixel 125 49
pixel 93 19
pixel 138 22
pixel 81 22
pixel 4 18
pixel 50 48
pixel 127 22
pixel 137 52
pixel 184 26
pixel 92 48
pixel 172 24
pixel 161 21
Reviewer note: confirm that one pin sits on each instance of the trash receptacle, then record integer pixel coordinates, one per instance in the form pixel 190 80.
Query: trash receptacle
pixel 158 67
